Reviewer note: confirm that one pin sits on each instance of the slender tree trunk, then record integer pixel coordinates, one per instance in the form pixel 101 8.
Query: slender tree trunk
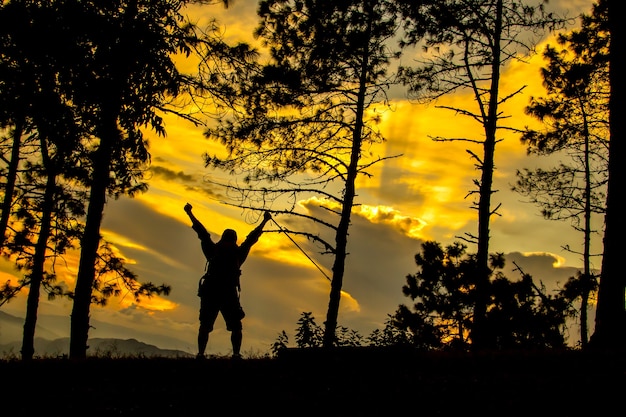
pixel 610 323
pixel 79 328
pixel 484 205
pixel 346 211
pixel 11 179
pixel 587 276
pixel 584 316
pixel 36 275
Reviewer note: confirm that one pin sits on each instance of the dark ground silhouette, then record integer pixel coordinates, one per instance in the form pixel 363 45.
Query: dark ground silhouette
pixel 349 382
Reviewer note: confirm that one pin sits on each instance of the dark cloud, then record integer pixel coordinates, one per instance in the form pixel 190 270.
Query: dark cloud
pixel 171 175
pixel 379 260
pixel 191 182
pixel 207 190
pixel 379 257
pixel 543 267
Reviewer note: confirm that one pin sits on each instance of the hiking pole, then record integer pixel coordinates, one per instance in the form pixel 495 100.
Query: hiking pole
pixel 301 250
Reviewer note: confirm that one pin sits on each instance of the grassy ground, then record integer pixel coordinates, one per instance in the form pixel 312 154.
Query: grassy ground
pixel 349 382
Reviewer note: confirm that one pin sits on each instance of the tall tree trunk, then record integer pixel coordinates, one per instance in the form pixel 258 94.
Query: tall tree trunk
pixel 346 211
pixel 610 323
pixel 587 277
pixel 484 205
pixel 79 328
pixel 341 240
pixel 36 275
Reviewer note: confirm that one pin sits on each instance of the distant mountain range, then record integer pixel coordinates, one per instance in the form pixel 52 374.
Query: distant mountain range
pixel 49 343
pixel 110 348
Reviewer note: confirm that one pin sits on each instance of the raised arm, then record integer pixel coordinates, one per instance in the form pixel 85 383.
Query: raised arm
pixel 267 216
pixel 253 236
pixel 195 223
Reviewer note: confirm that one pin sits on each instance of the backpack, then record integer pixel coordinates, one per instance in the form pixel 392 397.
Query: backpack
pixel 222 270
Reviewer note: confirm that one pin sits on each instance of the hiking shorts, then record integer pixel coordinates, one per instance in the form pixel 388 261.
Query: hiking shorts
pixel 229 307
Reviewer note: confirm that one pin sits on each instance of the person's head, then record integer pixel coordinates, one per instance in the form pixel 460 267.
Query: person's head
pixel 229 236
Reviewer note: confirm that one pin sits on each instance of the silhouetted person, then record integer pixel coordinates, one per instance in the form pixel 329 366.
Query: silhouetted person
pixel 220 286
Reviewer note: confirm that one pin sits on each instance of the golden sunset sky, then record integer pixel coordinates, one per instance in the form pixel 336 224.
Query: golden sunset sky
pixel 417 196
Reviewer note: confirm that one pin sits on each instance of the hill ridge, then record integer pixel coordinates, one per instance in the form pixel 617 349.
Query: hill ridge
pixel 103 347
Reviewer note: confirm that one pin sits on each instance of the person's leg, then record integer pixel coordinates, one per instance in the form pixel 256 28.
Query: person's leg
pixel 232 316
pixel 208 315
pixel 236 337
pixel 203 339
